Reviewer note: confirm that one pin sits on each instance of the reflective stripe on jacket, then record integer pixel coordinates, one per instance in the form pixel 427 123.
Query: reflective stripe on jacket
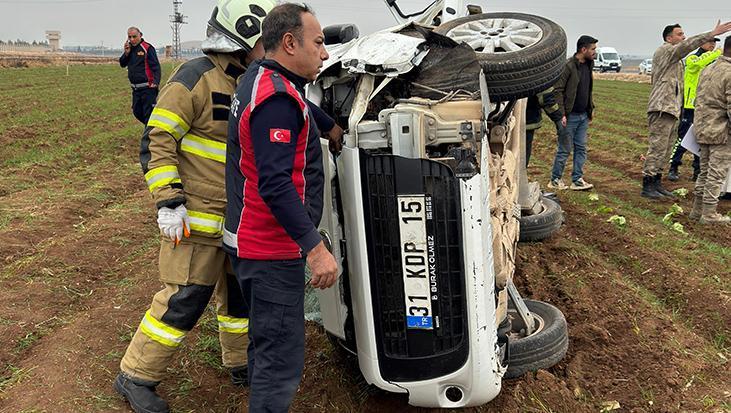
pixel 183 150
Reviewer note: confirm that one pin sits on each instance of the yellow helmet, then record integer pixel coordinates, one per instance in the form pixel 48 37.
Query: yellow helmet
pixel 240 20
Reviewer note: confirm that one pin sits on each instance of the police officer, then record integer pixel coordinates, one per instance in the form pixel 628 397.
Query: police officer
pixel 274 184
pixel 143 71
pixel 694 64
pixel 713 132
pixel 183 157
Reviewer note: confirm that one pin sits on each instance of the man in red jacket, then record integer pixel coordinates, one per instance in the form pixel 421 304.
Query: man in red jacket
pixel 143 71
pixel 274 187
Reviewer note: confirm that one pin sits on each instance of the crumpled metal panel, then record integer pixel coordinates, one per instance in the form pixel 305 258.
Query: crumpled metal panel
pixel 384 53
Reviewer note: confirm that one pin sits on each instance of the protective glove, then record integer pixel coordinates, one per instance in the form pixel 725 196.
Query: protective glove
pixel 174 223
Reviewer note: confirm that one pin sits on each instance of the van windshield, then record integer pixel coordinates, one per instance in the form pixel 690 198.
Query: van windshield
pixel 610 56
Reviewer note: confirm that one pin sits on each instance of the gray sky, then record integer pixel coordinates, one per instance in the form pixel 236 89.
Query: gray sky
pixel 631 26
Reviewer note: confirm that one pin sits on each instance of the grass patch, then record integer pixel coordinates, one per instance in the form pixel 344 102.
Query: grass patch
pixel 12 376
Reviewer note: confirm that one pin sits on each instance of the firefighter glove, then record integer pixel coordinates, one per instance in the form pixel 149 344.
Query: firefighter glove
pixel 174 223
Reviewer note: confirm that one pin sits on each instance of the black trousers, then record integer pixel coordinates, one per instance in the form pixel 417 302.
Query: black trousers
pixel 143 101
pixel 678 151
pixel 274 292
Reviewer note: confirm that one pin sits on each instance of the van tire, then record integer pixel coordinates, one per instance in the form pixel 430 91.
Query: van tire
pixel 542 225
pixel 525 72
pixel 542 349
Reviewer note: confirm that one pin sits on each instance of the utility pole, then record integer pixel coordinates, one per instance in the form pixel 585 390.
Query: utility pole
pixel 177 19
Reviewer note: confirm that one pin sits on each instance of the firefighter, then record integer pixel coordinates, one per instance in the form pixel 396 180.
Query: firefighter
pixel 183 155
pixel 546 101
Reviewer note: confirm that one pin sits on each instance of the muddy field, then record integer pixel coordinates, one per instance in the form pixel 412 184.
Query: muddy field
pixel 648 308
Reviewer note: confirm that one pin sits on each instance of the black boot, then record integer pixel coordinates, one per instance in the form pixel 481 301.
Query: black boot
pixel 648 188
pixel 660 189
pixel 240 376
pixel 696 172
pixel 140 394
pixel 673 174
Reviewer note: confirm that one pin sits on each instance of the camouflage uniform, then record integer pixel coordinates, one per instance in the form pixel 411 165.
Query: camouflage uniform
pixel 666 100
pixel 713 129
pixel 183 157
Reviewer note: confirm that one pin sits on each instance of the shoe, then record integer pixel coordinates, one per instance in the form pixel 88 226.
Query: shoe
pixel 557 184
pixel 695 175
pixel 710 216
pixel 714 218
pixel 659 188
pixel 648 188
pixel 673 174
pixel 140 394
pixel 581 185
pixel 240 376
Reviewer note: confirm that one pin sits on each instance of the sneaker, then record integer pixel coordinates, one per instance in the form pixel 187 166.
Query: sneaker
pixel 581 185
pixel 557 184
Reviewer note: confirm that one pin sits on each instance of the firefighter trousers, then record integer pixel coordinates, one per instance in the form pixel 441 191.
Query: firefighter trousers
pixel 190 272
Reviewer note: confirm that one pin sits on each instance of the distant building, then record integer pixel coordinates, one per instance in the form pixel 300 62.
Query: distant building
pixel 54 39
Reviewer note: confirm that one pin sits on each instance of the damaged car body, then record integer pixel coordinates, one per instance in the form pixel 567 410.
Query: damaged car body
pixel 423 203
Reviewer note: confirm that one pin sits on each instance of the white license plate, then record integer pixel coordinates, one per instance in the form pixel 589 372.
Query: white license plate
pixel 414 261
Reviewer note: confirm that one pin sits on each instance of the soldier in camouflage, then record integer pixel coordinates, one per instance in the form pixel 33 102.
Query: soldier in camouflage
pixel 713 130
pixel 666 99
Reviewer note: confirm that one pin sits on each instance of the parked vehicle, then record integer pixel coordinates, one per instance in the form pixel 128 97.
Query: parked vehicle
pixel 607 59
pixel 646 67
pixel 422 205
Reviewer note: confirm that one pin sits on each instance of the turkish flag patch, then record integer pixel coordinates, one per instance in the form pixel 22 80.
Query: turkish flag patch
pixel 280 135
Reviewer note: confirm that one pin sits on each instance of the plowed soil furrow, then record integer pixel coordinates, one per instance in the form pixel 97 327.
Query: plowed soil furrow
pixel 59 281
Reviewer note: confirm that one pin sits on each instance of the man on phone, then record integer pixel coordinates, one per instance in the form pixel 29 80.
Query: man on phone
pixel 143 71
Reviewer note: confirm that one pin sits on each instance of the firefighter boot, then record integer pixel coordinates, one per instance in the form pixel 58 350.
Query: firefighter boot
pixel 710 216
pixel 673 173
pixel 240 376
pixel 140 394
pixel 697 211
pixel 648 188
pixel 659 188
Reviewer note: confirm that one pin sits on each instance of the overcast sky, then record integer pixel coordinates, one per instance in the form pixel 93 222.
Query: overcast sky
pixel 631 26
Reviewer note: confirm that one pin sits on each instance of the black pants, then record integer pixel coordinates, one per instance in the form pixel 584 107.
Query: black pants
pixel 143 101
pixel 678 151
pixel 274 291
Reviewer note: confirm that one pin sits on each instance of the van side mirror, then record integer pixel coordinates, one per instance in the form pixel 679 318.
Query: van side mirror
pixel 340 33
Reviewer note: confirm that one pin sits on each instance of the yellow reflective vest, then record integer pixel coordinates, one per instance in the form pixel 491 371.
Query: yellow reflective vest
pixel 694 64
pixel 183 151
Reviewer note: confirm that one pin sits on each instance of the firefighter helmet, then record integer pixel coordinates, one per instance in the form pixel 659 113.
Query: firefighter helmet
pixel 240 20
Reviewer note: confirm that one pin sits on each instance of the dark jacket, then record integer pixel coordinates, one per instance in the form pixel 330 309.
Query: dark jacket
pixel 545 100
pixel 142 64
pixel 274 172
pixel 567 85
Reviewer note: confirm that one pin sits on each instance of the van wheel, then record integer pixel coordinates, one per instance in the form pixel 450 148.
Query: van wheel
pixel 542 225
pixel 521 54
pixel 545 347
